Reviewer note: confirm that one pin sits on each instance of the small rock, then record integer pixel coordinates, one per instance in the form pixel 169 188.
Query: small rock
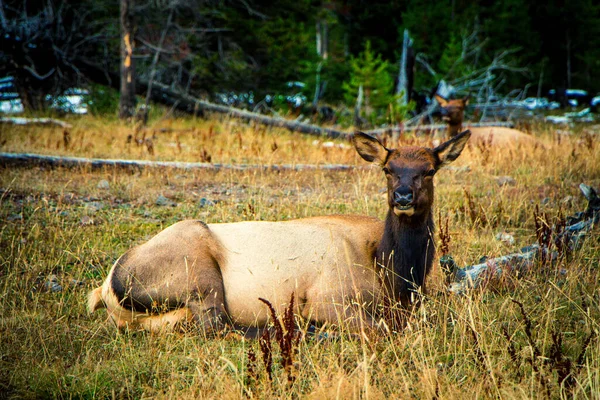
pixel 505 237
pixel 103 184
pixel 93 206
pixel 88 199
pixel 86 220
pixel 52 284
pixel 163 201
pixel 204 202
pixel 69 198
pixel 546 200
pixel 506 181
pixel 74 283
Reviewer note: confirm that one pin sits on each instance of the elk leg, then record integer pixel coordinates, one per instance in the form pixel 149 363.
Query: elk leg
pixel 207 303
pixel 209 317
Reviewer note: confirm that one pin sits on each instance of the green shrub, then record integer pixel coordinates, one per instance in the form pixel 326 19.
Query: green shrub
pixel 102 100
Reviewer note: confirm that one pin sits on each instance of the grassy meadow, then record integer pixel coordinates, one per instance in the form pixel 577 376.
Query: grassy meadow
pixel 533 335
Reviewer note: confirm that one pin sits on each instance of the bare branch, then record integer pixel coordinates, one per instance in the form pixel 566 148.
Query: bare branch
pixel 201 30
pixel 252 11
pixel 157 49
pixel 37 75
pixel 419 58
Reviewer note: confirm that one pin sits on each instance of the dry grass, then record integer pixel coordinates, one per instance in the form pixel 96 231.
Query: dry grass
pixel 228 141
pixel 532 336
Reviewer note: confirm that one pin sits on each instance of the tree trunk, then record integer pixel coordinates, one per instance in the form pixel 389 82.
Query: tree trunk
pixel 322 37
pixel 127 99
pixel 406 71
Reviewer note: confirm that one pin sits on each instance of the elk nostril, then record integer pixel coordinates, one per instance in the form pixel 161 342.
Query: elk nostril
pixel 403 200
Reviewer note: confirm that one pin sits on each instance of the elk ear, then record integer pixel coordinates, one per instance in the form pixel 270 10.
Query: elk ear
pixel 443 102
pixel 466 100
pixel 450 150
pixel 369 148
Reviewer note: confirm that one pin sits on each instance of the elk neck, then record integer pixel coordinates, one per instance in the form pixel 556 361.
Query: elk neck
pixel 454 128
pixel 406 252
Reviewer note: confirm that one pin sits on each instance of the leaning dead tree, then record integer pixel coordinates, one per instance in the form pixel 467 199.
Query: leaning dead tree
pixel 571 237
pixel 185 102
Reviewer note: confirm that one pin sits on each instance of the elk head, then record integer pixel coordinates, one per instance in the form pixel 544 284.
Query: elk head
pixel 453 112
pixel 409 171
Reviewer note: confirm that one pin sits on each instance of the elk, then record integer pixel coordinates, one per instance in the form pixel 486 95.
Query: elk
pixel 453 112
pixel 341 269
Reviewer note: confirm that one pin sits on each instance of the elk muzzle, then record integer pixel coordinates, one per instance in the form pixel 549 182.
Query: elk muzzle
pixel 403 201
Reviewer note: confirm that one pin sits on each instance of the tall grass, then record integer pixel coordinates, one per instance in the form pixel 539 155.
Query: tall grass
pixel 528 336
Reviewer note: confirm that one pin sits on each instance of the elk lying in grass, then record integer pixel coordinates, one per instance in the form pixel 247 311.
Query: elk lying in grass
pixel 453 112
pixel 342 269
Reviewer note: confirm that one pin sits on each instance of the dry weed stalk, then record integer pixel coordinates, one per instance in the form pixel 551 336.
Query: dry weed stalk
pixel 444 234
pixel 251 371
pixel 485 148
pixel 476 213
pixel 550 235
pixel 205 157
pixel 66 139
pixel 447 263
pixel 267 353
pixel 554 359
pixel 287 337
pixel 479 354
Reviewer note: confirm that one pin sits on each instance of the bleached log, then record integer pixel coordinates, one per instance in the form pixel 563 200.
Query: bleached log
pixel 581 223
pixel 29 160
pixel 34 121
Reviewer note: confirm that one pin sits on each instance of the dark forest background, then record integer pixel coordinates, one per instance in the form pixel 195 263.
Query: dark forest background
pixel 240 51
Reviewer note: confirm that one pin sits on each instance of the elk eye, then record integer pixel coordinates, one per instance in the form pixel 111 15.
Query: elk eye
pixel 431 172
pixel 386 171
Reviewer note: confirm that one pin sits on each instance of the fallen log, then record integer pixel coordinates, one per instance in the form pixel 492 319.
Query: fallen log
pixel 28 160
pixel 34 121
pixel 472 276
